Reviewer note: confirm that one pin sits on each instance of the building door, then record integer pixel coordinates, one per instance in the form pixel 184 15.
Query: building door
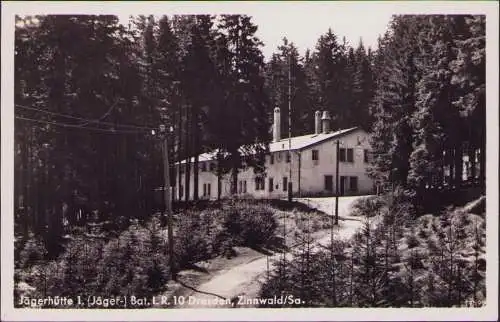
pixel 271 185
pixel 329 183
pixel 343 184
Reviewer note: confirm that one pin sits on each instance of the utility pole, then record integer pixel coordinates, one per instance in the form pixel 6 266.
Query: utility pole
pixel 337 183
pixel 168 201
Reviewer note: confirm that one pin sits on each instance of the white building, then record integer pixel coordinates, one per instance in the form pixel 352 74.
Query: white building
pixel 312 165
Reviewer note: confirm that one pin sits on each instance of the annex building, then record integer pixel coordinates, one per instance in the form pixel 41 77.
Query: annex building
pixel 311 162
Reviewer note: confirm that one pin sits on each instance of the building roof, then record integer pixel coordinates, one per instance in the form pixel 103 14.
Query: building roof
pixel 296 143
pixel 304 141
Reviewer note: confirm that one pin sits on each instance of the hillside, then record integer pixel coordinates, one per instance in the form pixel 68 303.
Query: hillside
pixel 433 260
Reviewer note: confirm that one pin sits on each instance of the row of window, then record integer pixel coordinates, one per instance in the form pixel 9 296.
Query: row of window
pixel 203 167
pixel 207 190
pixel 287 157
pixel 345 155
pixel 346 184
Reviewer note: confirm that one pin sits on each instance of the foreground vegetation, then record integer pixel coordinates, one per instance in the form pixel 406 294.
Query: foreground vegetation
pixel 134 261
pixel 400 261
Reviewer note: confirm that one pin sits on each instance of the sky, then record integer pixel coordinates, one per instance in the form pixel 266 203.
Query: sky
pixel 303 27
pixel 303 23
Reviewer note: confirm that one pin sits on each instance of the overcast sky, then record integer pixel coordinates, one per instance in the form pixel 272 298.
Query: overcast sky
pixel 304 22
pixel 304 27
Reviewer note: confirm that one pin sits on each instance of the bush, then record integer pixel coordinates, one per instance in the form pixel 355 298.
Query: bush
pixel 134 263
pixel 259 226
pixel 250 225
pixel 369 206
pixel 193 241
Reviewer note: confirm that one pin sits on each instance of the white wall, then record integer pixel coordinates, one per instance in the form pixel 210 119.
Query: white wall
pixel 312 180
pixel 312 175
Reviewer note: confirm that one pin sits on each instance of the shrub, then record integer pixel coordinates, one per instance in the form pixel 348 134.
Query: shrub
pixel 369 206
pixel 33 251
pixel 251 225
pixel 193 242
pixel 135 263
pixel 412 241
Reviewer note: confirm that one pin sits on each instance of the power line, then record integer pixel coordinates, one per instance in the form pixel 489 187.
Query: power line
pixel 103 116
pixel 77 126
pixel 84 119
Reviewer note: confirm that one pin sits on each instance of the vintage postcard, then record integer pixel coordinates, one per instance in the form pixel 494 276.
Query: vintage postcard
pixel 249 161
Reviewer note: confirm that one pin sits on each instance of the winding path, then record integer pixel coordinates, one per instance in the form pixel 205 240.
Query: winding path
pixel 246 279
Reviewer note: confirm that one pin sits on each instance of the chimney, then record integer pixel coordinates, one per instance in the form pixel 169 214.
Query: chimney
pixel 277 125
pixel 317 122
pixel 325 121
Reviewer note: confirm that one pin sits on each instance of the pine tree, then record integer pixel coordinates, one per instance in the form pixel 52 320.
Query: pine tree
pixel 328 74
pixel 362 87
pixel 245 103
pixel 284 68
pixel 394 101
pixel 469 72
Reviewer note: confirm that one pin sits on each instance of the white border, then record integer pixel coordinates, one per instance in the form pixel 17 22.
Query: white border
pixel 9 9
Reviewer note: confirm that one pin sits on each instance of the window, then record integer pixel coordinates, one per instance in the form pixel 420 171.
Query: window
pixel 315 155
pixel 204 189
pixel 212 166
pixel 271 185
pixel 346 155
pixel 285 183
pixel 342 155
pixel 365 156
pixel 288 157
pixel 271 158
pixel 279 156
pixel 245 186
pixel 259 183
pixel 209 188
pixel 240 187
pixel 353 185
pixel 350 155
pixel 203 166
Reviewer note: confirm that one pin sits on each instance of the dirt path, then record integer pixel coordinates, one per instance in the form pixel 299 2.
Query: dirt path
pixel 246 279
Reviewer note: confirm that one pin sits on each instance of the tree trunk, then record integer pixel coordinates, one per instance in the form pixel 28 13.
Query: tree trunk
pixel 179 154
pixel 471 152
pixel 234 180
pixel 196 150
pixel 219 182
pixel 187 174
pixel 459 165
pixel 196 170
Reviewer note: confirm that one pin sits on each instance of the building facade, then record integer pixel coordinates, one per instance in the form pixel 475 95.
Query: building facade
pixel 308 162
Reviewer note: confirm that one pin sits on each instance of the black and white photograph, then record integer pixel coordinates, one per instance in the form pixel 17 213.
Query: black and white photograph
pixel 277 159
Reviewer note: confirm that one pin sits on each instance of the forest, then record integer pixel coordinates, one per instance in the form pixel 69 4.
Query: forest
pixel 92 92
